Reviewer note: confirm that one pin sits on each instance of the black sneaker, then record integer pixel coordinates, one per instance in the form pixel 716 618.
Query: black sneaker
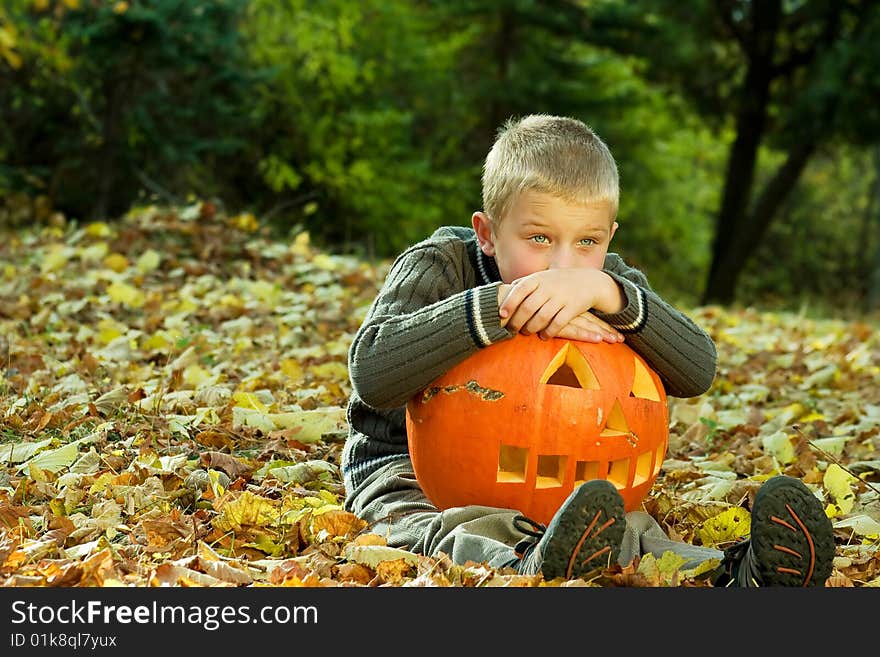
pixel 791 542
pixel 584 535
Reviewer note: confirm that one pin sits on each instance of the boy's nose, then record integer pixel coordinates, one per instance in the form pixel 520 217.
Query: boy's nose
pixel 562 259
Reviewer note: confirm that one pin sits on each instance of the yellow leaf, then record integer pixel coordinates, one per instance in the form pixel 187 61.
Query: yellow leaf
pixel 126 294
pixel 832 510
pixel 300 245
pixel 669 564
pixel 246 222
pixel 35 473
pixel 333 370
pixel 249 400
pixel 265 544
pixel 311 425
pixel 324 261
pixel 268 293
pixel 19 452
pixel 156 342
pixel 779 445
pixel 248 417
pixel 217 487
pixel 148 261
pixel 304 472
pixel 833 445
pixel 101 483
pixel 838 482
pixel 863 525
pixel 291 369
pixel 196 375
pixel 52 460
pixel 108 331
pixel 245 510
pixel 727 526
pixel 181 306
pixel 94 252
pixel 98 229
pixel 55 258
pixel 117 262
pixel 372 555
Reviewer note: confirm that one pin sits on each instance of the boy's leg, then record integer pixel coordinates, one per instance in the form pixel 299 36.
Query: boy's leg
pixel 644 535
pixel 791 542
pixel 395 506
pixel 584 534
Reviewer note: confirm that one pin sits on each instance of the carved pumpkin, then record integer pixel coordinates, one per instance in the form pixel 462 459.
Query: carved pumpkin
pixel 520 423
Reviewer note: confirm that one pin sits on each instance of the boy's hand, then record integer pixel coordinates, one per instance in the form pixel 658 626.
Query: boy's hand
pixel 587 328
pixel 548 301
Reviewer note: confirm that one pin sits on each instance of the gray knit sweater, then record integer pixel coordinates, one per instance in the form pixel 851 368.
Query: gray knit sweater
pixel 439 304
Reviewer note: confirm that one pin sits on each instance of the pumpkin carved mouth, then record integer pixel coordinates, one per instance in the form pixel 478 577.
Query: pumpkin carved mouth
pixel 592 411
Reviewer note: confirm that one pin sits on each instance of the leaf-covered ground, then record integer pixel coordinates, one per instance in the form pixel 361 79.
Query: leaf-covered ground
pixel 172 413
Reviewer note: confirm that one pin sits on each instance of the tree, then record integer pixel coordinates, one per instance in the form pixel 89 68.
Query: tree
pixel 787 76
pixel 360 132
pixel 106 99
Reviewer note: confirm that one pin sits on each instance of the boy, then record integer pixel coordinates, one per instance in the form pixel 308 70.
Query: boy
pixel 537 262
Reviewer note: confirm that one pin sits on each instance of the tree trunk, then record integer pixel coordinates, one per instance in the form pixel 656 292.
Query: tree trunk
pixel 111 131
pixel 750 121
pixel 753 226
pixel 872 296
pixel 505 38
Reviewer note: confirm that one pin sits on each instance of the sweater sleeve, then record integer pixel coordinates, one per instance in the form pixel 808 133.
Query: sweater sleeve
pixel 424 320
pixel 682 353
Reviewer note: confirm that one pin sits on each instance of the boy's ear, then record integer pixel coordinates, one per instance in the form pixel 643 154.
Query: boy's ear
pixel 483 229
pixel 613 230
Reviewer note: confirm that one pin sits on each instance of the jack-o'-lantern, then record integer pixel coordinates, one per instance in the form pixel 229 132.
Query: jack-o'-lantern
pixel 522 422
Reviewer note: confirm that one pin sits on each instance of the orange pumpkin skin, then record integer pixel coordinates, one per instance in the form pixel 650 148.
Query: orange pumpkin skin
pixel 520 423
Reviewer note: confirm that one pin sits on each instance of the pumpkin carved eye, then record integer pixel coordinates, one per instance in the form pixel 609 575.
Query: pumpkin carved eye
pixel 562 412
pixel 570 368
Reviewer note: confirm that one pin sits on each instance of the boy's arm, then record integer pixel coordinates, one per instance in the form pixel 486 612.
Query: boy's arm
pixel 682 353
pixel 424 320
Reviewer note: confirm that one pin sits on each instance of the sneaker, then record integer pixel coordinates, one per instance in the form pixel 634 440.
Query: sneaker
pixel 584 535
pixel 791 542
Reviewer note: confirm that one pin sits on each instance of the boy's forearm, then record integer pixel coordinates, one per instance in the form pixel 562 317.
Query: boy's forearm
pixel 394 356
pixel 425 319
pixel 682 353
pixel 608 296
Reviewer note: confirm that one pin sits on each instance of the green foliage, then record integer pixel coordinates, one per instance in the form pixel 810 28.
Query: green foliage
pixel 367 122
pixel 825 240
pixel 111 98
pixel 359 124
pixel 671 168
pixel 788 79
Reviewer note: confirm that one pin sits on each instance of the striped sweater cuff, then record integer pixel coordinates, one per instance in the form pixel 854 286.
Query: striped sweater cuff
pixel 481 312
pixel 632 318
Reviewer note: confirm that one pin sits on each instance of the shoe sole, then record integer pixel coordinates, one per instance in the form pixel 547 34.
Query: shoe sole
pixel 792 538
pixel 587 534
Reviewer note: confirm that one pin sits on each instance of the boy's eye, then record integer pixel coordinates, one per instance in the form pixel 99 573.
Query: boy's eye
pixel 540 239
pixel 588 241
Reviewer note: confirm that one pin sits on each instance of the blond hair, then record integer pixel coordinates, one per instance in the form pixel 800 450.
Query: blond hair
pixel 555 155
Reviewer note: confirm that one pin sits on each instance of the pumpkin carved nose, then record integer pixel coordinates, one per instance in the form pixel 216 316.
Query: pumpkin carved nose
pixel 565 412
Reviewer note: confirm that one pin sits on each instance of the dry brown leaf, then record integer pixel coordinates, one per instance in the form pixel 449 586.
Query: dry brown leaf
pixel 394 572
pixel 337 523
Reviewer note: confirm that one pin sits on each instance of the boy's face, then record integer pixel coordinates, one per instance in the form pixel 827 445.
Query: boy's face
pixel 542 232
